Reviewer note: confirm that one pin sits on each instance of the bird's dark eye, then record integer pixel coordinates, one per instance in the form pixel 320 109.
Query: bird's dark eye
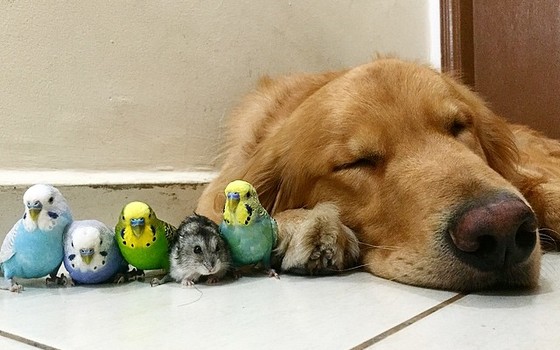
pixel 51 200
pixel 217 248
pixel 248 195
pixel 123 218
pixel 197 250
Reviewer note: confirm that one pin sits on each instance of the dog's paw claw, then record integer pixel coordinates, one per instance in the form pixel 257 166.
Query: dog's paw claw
pixel 319 243
pixel 322 262
pixel 315 255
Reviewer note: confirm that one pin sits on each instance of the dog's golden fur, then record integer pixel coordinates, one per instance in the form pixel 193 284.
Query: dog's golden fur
pixel 367 166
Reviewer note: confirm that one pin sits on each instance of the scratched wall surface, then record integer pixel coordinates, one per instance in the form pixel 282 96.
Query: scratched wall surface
pixel 145 85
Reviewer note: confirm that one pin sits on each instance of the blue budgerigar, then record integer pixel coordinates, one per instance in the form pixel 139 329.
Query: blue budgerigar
pixel 33 247
pixel 91 254
pixel 247 227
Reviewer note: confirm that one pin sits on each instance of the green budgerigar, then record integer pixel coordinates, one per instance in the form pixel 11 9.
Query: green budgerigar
pixel 144 240
pixel 248 229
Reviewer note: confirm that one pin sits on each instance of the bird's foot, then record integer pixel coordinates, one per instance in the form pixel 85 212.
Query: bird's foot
pixel 119 278
pixel 138 275
pixel 54 280
pixel 11 285
pixel 128 276
pixel 16 288
pixel 273 273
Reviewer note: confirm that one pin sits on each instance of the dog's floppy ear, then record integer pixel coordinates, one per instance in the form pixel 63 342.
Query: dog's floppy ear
pixel 266 126
pixel 263 170
pixel 270 173
pixel 493 133
pixel 263 173
pixel 498 144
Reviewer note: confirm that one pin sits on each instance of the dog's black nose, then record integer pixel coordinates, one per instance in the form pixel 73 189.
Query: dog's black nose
pixel 494 233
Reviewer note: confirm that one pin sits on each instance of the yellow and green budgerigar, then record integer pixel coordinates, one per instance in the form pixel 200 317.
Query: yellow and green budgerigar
pixel 143 239
pixel 247 227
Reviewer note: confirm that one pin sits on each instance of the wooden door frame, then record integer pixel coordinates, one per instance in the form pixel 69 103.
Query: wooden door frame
pixel 457 45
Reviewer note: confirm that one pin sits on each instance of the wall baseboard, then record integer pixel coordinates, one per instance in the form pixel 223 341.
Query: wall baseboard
pixel 80 178
pixel 101 196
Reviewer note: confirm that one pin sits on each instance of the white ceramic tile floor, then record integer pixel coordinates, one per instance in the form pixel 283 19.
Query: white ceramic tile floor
pixel 9 344
pixel 494 321
pixel 339 312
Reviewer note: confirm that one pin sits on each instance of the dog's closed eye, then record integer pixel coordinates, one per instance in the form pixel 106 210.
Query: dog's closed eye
pixel 370 161
pixel 457 127
pixel 459 124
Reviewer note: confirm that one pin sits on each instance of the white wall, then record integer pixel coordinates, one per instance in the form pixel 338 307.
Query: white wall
pixel 143 86
pixel 133 92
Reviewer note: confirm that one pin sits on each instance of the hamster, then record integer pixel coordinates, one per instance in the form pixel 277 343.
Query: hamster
pixel 198 250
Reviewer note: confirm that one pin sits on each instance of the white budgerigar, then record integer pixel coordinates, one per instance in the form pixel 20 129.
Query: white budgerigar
pixel 91 254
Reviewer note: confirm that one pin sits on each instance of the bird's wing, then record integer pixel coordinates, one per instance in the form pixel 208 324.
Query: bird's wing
pixel 67 215
pixel 67 240
pixel 274 227
pixel 170 231
pixel 118 229
pixel 106 236
pixel 7 250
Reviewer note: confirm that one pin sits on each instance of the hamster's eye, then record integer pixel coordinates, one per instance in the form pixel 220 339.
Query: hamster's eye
pixel 197 250
pixel 51 200
pixel 217 248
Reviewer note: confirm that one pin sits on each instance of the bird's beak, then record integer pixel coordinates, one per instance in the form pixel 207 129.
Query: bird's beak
pixel 34 214
pixel 87 255
pixel 137 230
pixel 137 226
pixel 34 209
pixel 233 200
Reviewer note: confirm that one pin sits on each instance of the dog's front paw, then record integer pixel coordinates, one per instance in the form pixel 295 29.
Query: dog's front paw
pixel 315 241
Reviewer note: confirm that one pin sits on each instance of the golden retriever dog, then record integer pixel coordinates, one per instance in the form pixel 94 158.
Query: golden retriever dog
pixel 396 168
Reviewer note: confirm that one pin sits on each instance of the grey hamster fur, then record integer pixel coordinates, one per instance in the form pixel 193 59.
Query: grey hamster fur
pixel 198 250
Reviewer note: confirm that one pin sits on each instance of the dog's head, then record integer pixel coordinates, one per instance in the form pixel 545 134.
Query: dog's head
pixel 417 165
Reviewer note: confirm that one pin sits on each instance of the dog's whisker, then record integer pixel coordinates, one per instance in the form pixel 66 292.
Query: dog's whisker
pixel 549 237
pixel 386 247
pixel 352 268
pixel 545 237
pixel 548 232
pixel 546 229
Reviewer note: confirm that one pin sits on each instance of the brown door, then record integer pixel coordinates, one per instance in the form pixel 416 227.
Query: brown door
pixel 509 51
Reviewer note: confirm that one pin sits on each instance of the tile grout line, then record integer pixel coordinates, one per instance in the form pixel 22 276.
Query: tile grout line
pixel 26 341
pixel 407 323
